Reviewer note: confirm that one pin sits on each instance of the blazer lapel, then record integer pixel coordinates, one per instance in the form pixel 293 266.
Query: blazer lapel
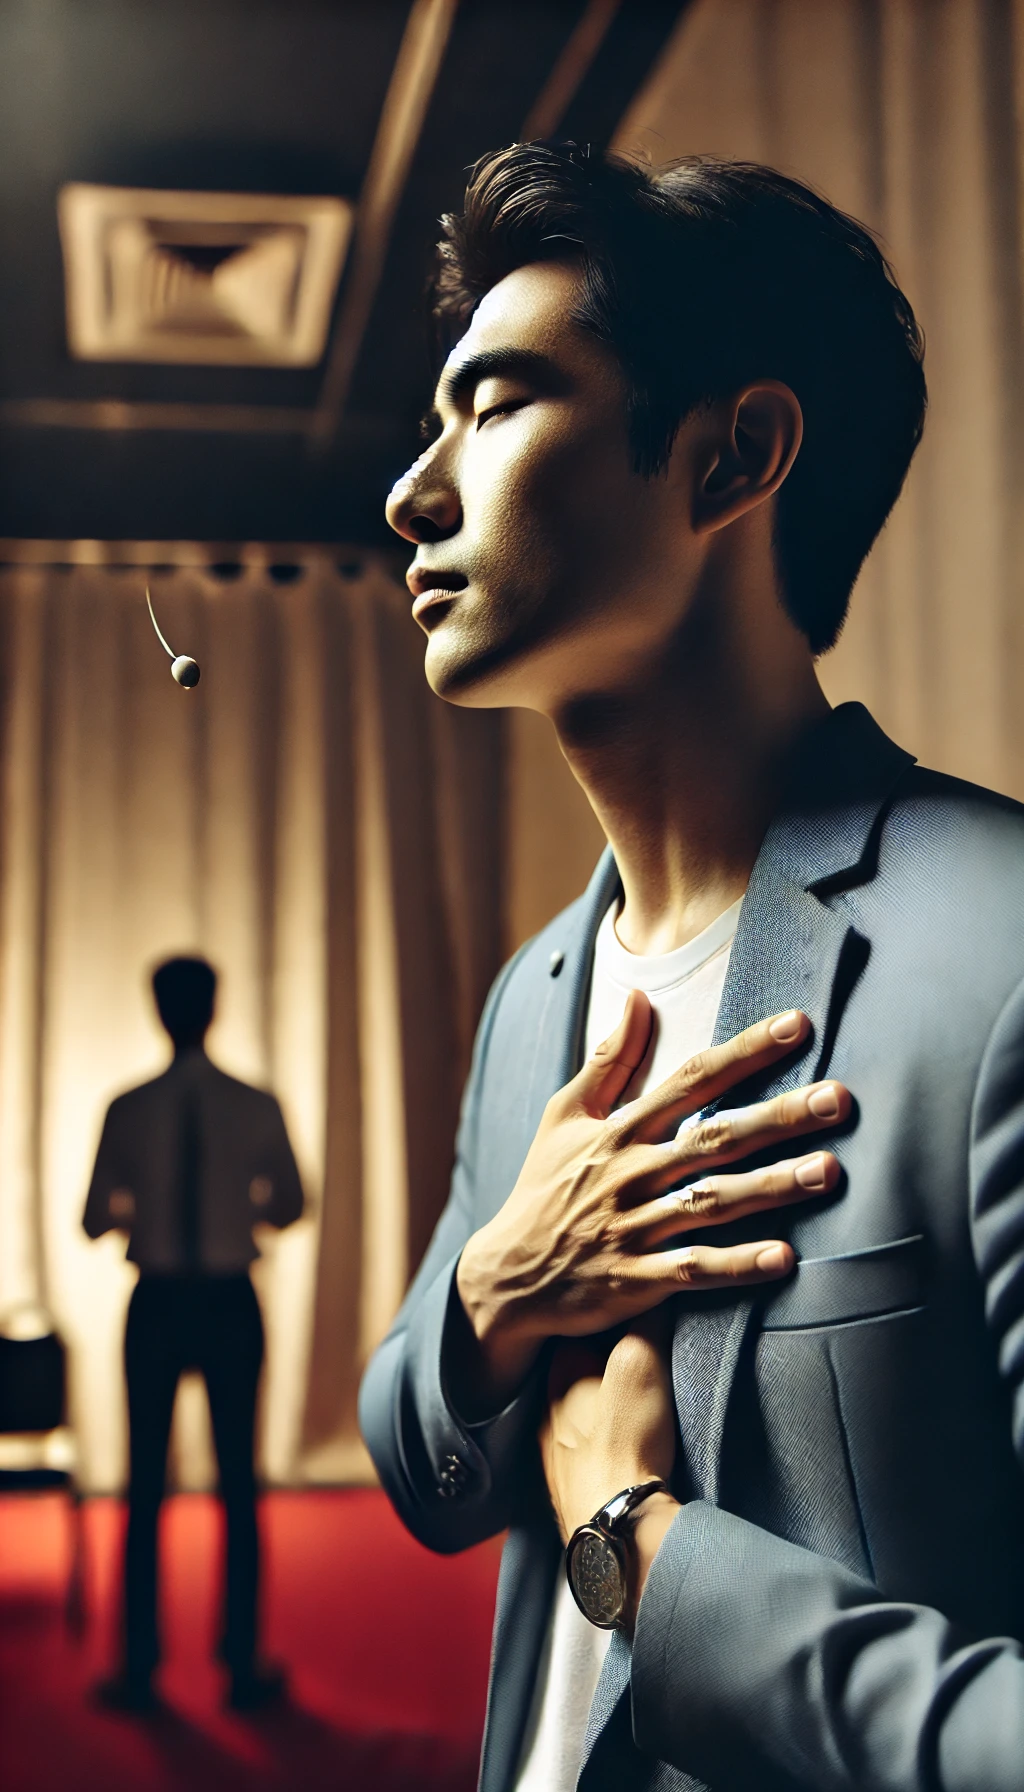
pixel 791 951
pixel 558 1040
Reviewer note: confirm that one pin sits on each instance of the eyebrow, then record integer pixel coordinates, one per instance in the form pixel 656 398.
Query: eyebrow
pixel 512 363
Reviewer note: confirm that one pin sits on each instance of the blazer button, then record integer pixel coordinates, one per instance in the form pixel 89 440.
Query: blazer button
pixel 452 1478
pixel 555 963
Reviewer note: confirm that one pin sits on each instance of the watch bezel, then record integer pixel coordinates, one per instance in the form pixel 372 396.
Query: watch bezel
pixel 615 1545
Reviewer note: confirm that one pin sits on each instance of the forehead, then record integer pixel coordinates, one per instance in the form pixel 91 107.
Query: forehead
pixel 531 308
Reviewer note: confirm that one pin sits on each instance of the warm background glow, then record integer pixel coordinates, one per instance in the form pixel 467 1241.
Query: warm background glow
pixel 326 831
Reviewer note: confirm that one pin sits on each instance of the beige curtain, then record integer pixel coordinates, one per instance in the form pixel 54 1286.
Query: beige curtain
pixel 907 113
pixel 330 835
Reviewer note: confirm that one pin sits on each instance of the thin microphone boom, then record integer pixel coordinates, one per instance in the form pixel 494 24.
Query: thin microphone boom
pixel 184 669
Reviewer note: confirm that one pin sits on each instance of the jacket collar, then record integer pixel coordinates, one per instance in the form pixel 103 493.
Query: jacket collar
pixel 790 943
pixel 843 772
pixel 823 834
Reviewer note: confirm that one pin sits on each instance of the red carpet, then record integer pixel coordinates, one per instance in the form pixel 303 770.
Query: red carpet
pixel 386 1645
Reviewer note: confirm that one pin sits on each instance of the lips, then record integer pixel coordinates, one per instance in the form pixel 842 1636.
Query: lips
pixel 421 579
pixel 431 586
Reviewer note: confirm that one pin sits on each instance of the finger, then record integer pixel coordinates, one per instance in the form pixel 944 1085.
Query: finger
pixel 715 1200
pixel 639 1356
pixel 608 1071
pixel 721 1138
pixel 731 1133
pixel 737 1132
pixel 704 1077
pixel 702 1267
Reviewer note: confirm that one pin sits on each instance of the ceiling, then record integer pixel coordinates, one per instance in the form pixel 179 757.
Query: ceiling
pixel 376 101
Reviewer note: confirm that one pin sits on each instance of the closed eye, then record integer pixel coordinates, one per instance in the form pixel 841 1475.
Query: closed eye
pixel 500 410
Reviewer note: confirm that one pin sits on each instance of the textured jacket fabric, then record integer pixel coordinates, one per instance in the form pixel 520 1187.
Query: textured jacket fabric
pixel 247 1171
pixel 840 1603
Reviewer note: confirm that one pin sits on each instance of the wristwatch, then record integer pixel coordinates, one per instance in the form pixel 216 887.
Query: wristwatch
pixel 598 1558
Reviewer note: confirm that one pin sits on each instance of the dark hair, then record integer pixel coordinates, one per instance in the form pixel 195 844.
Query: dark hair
pixel 705 275
pixel 184 989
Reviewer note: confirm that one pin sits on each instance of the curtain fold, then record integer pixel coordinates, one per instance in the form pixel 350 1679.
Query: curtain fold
pixel 329 835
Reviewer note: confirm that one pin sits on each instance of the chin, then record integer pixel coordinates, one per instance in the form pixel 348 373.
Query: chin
pixel 475 673
pixel 457 675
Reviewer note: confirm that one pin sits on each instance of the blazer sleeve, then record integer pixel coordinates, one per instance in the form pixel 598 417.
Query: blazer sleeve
pixel 108 1174
pixel 758 1663
pixel 451 1483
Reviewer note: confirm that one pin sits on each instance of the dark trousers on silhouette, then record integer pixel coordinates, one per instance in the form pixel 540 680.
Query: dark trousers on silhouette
pixel 213 1324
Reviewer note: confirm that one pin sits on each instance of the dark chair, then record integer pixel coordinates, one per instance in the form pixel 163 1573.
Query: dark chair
pixel 37 1451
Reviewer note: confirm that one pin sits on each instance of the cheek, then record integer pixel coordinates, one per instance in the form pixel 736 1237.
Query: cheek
pixel 540 500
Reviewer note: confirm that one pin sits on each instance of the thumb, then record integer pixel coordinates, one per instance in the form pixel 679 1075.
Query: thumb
pixel 608 1072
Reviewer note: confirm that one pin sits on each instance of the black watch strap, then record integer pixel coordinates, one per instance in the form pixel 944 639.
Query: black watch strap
pixel 615 1512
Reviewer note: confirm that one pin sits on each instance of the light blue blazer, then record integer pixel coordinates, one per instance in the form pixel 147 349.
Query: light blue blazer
pixel 840 1603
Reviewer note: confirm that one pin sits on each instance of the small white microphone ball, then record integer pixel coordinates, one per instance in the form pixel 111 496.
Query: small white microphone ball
pixel 184 671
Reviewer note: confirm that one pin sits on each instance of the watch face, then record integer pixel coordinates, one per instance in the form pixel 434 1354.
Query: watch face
pixel 597 1577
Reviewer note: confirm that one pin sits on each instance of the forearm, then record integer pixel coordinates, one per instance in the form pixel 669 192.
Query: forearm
pixel 488 1355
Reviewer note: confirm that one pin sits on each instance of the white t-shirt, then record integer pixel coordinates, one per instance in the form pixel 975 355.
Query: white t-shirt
pixel 685 990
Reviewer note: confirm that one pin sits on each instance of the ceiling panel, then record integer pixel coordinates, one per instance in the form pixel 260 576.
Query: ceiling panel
pixel 247 96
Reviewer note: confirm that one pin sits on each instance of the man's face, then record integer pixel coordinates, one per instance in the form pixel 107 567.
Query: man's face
pixel 546 568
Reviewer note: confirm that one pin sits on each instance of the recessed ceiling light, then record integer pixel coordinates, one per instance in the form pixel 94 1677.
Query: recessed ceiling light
pixel 226 279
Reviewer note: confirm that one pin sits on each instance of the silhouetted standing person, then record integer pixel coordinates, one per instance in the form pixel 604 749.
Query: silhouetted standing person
pixel 186 1164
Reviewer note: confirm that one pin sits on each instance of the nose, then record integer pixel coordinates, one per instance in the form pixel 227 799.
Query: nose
pixel 423 504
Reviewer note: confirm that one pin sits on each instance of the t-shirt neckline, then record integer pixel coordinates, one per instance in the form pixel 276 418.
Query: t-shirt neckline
pixel 631 970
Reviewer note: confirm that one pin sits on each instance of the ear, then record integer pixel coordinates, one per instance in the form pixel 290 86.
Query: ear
pixel 753 441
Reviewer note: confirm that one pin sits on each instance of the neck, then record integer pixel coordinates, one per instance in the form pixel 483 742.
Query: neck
pixel 183 1047
pixel 685 770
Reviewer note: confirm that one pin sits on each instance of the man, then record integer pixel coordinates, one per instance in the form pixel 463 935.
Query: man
pixel 186 1164
pixel 681 407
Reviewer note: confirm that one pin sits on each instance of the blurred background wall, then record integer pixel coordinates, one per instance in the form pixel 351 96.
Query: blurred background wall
pixel 355 857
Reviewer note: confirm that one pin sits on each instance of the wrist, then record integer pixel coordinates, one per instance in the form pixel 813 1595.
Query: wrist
pixel 609 1554
pixel 652 1524
pixel 498 1313
pixel 505 1350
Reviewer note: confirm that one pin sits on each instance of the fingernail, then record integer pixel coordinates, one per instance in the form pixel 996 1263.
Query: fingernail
pixel 786 1027
pixel 772 1258
pixel 824 1103
pixel 812 1173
